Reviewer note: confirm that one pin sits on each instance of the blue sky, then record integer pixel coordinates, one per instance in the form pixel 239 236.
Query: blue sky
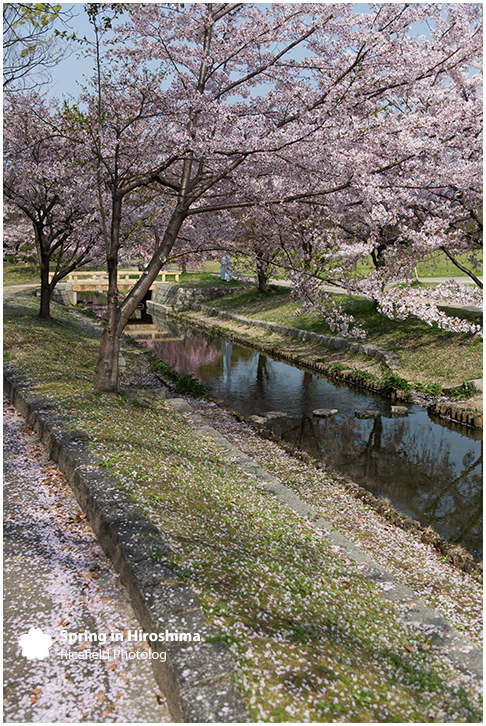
pixel 69 72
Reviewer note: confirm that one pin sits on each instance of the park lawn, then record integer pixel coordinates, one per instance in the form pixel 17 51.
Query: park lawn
pixel 207 280
pixel 427 354
pixel 437 265
pixel 311 636
pixel 20 274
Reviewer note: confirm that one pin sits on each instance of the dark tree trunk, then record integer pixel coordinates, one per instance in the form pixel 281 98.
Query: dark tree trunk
pixel 262 274
pixel 46 290
pixel 45 299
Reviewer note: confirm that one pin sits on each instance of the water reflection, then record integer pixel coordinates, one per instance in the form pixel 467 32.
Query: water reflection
pixel 428 469
pixel 424 472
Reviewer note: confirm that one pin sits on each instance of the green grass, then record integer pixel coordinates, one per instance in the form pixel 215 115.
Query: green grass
pixel 311 636
pixel 20 274
pixel 206 279
pixel 440 266
pixel 437 265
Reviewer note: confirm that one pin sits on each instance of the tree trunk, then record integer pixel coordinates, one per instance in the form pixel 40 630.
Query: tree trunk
pixel 106 378
pixel 46 291
pixel 107 368
pixel 262 274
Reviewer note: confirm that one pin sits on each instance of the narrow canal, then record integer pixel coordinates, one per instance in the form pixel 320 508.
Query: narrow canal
pixel 429 468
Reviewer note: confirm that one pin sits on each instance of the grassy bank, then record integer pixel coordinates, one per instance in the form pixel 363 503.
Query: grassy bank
pixel 429 357
pixel 313 639
pixel 20 274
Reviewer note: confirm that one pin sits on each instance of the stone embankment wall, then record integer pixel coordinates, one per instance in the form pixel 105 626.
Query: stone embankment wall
pixel 455 413
pixel 185 297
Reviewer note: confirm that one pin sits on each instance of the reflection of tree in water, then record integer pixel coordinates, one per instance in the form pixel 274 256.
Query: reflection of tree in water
pixel 187 355
pixel 415 466
pixel 464 488
pixel 262 374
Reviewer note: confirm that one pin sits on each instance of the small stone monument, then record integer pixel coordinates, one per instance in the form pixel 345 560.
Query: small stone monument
pixel 226 268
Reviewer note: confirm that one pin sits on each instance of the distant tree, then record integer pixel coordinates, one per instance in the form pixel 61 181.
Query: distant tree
pixel 43 179
pixel 257 242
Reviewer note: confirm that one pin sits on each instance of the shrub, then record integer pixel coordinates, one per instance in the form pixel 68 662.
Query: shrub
pixel 391 382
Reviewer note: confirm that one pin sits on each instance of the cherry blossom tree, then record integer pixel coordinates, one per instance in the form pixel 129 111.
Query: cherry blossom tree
pixel 44 182
pixel 18 238
pixel 211 107
pixel 188 135
pixel 415 185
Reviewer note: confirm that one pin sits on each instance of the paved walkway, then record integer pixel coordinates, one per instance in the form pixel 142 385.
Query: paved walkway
pixel 10 290
pixel 57 578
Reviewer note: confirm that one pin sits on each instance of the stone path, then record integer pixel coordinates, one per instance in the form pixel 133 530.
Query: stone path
pixel 11 290
pixel 57 578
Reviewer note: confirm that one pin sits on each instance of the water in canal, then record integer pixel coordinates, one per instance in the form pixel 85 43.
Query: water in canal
pixel 429 468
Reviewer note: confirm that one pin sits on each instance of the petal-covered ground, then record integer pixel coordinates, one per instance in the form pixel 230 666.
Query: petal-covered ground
pixel 57 579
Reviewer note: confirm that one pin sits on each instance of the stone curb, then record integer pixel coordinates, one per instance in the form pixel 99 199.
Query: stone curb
pixel 328 341
pixel 411 609
pixel 456 413
pixel 198 679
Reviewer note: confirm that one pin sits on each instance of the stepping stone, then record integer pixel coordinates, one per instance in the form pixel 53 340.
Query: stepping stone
pixel 273 415
pixel 257 420
pixel 324 412
pixel 367 413
pixel 399 410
